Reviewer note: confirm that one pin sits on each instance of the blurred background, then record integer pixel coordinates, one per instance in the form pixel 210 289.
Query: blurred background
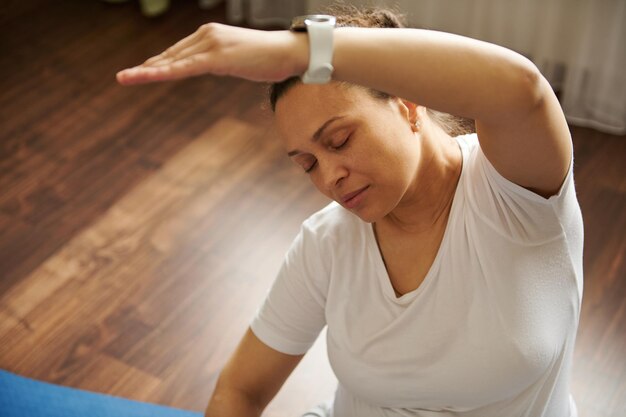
pixel 140 227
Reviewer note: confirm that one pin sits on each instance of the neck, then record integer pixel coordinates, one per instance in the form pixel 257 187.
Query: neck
pixel 428 199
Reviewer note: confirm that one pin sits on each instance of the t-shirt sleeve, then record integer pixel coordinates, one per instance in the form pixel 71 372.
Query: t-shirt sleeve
pixel 514 211
pixel 293 313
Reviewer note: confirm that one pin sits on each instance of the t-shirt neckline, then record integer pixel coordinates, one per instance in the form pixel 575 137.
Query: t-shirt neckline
pixel 372 246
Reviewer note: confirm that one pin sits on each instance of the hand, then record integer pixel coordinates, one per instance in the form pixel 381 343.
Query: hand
pixel 226 50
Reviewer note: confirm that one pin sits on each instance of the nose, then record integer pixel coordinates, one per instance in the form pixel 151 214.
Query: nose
pixel 333 172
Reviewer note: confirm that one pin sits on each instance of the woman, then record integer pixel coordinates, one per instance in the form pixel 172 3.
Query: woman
pixel 448 269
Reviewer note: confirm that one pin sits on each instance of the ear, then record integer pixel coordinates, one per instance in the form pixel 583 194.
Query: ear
pixel 410 111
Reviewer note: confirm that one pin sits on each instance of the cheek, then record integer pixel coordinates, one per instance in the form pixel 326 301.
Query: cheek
pixel 391 167
pixel 316 180
pixel 377 157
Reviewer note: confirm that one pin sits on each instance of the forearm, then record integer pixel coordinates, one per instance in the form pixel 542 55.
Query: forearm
pixel 442 71
pixel 225 403
pixel 439 70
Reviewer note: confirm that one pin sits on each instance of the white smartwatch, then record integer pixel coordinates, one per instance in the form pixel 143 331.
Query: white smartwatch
pixel 319 29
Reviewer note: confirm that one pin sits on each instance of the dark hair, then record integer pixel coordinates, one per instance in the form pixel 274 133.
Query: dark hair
pixel 373 17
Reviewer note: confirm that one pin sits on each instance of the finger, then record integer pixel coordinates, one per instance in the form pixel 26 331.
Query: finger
pixel 147 63
pixel 194 49
pixel 188 67
pixel 145 73
pixel 165 56
pixel 175 49
pixel 156 61
pixel 186 42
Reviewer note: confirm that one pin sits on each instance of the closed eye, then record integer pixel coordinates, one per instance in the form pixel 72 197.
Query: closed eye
pixel 334 148
pixel 309 169
pixel 342 144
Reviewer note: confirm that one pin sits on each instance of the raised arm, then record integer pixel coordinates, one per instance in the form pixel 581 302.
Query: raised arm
pixel 519 122
pixel 250 379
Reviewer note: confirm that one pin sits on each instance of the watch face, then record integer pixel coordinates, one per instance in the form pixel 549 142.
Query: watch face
pixel 298 24
pixel 319 18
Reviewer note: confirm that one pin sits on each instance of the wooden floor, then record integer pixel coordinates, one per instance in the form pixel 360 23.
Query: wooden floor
pixel 141 227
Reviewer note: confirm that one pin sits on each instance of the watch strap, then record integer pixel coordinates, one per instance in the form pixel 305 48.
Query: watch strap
pixel 320 34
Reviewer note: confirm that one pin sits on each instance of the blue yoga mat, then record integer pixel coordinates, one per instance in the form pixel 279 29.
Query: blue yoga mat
pixel 24 397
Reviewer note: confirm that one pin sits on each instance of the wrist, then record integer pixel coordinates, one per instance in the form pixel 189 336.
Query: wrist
pixel 319 29
pixel 298 54
pixel 231 403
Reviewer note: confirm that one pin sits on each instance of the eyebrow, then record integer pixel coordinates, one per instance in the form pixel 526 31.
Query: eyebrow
pixel 318 133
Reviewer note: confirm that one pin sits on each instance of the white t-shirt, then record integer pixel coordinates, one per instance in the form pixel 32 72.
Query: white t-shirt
pixel 489 332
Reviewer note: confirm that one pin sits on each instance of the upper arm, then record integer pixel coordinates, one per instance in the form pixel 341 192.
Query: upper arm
pixel 257 370
pixel 531 147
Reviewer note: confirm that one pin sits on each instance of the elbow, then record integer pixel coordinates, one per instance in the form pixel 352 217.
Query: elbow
pixel 227 400
pixel 534 87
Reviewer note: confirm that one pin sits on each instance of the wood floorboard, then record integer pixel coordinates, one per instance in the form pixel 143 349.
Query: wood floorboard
pixel 140 228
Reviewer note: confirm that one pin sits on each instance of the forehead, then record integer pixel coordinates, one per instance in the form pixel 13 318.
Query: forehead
pixel 305 107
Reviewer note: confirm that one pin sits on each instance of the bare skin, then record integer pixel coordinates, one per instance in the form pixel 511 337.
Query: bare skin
pixel 409 172
pixel 520 124
pixel 402 173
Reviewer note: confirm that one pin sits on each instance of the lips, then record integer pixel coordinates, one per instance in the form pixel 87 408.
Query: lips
pixel 347 197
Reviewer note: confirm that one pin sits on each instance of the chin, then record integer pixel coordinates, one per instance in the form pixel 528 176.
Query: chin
pixel 368 216
pixel 372 209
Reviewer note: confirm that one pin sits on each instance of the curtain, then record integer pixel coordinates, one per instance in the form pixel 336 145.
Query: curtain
pixel 264 13
pixel 578 45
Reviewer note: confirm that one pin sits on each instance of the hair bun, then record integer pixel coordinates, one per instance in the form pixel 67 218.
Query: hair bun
pixel 384 18
pixel 370 17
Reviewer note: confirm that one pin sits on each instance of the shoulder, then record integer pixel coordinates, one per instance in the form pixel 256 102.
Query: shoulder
pixel 331 222
pixel 335 232
pixel 469 143
pixel 507 207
